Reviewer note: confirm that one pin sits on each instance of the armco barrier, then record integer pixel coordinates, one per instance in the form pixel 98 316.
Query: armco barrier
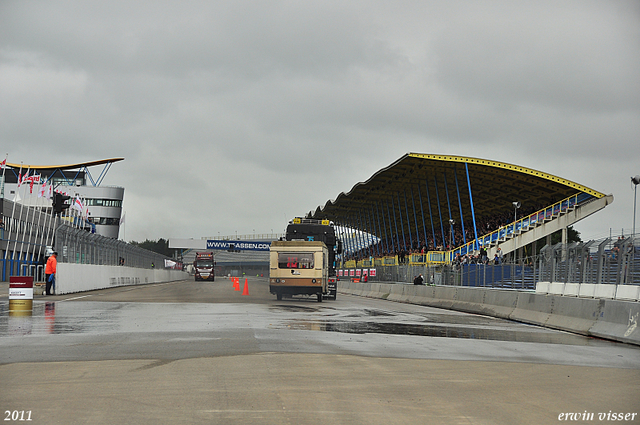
pixel 71 277
pixel 603 318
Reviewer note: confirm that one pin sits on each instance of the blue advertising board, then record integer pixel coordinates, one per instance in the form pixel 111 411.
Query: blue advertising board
pixel 238 245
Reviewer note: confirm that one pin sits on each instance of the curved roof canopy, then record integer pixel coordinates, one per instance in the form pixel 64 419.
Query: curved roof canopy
pixel 68 166
pixel 437 186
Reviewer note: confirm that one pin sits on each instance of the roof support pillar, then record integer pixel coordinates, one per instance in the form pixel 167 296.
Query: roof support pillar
pixel 395 222
pixel 433 230
pixel 444 241
pixel 452 237
pixel 385 241
pixel 406 209
pixel 464 236
pixel 473 214
pixel 424 226
pixel 404 243
pixel 415 217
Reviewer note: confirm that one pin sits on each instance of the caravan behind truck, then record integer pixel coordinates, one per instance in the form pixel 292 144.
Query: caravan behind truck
pixel 298 268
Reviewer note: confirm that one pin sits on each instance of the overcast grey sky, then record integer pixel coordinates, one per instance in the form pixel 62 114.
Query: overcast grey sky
pixel 239 115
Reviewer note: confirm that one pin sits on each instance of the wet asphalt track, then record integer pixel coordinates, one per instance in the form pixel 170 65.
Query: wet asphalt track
pixel 422 365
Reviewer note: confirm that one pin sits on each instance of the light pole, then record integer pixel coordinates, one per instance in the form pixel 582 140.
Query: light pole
pixel 516 205
pixel 635 180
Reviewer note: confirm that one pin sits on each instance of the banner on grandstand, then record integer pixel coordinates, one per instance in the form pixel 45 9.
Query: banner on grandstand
pixel 238 245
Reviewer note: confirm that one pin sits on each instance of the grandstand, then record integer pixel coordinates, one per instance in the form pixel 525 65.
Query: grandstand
pixel 433 208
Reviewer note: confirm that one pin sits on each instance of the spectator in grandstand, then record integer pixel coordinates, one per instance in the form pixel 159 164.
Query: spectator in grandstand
pixel 499 253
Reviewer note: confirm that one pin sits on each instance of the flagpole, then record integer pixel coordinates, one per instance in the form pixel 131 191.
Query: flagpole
pixel 15 244
pixel 4 168
pixel 33 239
pixel 43 186
pixel 29 180
pixel 49 226
pixel 13 211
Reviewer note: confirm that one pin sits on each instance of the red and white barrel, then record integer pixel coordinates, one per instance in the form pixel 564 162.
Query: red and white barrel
pixel 20 293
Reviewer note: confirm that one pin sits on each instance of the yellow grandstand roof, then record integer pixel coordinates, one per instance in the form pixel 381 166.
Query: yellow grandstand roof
pixel 437 184
pixel 66 167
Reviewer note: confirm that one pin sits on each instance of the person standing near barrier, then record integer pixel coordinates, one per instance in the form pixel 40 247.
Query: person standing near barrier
pixel 50 273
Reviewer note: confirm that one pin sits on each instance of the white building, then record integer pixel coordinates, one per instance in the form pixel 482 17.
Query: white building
pixel 104 203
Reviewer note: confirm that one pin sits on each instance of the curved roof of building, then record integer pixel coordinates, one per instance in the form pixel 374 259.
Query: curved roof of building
pixel 422 182
pixel 68 166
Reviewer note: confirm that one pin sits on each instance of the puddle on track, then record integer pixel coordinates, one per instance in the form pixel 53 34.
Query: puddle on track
pixel 534 335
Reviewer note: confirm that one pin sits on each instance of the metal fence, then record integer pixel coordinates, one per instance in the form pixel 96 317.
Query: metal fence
pixel 603 262
pixel 78 246
pixel 606 261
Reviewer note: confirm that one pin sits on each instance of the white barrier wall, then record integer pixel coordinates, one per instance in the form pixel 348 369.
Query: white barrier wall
pixel 72 277
pixel 590 290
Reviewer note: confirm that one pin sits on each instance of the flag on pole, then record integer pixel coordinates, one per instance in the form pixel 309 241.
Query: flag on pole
pixel 77 205
pixel 31 180
pixel 3 164
pixel 122 219
pixel 20 176
pixel 42 193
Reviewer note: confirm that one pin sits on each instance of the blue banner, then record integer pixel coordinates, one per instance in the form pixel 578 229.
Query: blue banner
pixel 238 245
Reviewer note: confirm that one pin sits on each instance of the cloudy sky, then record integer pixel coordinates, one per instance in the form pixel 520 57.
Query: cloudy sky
pixel 236 116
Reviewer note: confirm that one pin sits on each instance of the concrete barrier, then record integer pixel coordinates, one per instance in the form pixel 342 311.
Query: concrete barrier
pixel 603 318
pixel 71 277
pixel 542 287
pixel 396 293
pixel 628 292
pixel 574 314
pixel 533 308
pixel 444 296
pixel 571 289
pixel 618 320
pixel 604 291
pixel 587 290
pixel 499 303
pixel 556 288
pixel 470 300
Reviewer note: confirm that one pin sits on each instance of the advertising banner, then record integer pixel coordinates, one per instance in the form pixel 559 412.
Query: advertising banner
pixel 238 245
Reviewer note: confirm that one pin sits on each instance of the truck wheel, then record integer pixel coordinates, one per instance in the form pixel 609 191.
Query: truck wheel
pixel 279 296
pixel 319 297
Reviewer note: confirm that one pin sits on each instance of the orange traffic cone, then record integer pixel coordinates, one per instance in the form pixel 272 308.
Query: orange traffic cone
pixel 246 287
pixel 236 283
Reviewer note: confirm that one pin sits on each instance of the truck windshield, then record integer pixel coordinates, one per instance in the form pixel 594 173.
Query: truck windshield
pixel 295 260
pixel 204 264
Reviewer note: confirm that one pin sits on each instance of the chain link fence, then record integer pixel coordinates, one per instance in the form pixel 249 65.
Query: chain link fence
pixel 81 247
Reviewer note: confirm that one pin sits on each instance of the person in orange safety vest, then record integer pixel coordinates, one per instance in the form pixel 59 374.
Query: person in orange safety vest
pixel 50 273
